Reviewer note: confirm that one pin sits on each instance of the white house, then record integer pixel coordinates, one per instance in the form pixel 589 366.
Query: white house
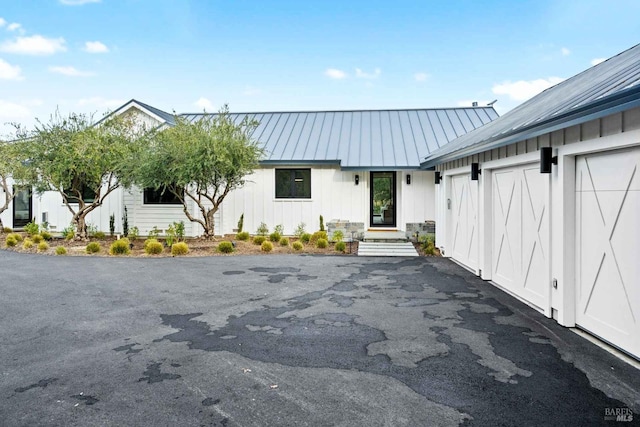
pixel 552 215
pixel 317 163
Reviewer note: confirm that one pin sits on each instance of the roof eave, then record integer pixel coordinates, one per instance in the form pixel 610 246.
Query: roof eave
pixel 618 102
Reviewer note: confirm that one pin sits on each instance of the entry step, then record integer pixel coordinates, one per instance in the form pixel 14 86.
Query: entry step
pixel 387 249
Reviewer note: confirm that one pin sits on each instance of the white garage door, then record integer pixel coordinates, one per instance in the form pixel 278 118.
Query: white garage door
pixel 463 233
pixel 608 247
pixel 520 233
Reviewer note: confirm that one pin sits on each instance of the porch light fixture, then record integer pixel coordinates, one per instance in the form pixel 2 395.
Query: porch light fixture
pixel 547 159
pixel 408 179
pixel 357 179
pixel 438 177
pixel 475 171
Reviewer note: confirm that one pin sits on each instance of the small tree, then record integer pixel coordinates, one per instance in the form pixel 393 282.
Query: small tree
pixel 201 161
pixel 12 164
pixel 82 161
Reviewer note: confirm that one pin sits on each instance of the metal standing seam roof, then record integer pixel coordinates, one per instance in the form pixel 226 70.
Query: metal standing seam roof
pixel 363 139
pixel 167 117
pixel 603 89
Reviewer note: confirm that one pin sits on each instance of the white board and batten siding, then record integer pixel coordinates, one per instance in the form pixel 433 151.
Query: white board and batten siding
pixel 577 228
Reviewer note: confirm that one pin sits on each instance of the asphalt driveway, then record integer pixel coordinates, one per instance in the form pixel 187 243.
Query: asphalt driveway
pixel 288 340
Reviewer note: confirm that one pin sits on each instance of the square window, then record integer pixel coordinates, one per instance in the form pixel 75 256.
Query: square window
pixel 160 196
pixel 293 183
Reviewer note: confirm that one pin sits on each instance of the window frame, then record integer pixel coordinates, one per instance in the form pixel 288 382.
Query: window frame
pixel 293 195
pixel 161 193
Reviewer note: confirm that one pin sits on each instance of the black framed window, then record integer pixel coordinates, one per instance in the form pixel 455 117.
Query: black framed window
pixel 293 183
pixel 88 195
pixel 160 196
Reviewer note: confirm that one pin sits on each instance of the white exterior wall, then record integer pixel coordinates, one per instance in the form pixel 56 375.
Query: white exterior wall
pixel 621 130
pixel 334 195
pixel 7 216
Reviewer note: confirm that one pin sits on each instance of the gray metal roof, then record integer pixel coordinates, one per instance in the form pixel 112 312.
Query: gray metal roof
pixel 167 117
pixel 364 139
pixel 603 89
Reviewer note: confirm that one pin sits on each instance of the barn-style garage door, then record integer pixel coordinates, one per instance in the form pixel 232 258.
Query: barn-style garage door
pixel 608 247
pixel 463 233
pixel 520 233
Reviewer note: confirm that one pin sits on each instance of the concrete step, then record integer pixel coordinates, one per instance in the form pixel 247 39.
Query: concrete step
pixel 395 236
pixel 387 249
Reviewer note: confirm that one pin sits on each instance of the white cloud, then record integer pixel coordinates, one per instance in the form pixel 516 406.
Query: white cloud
pixel 3 22
pixel 334 73
pixel 100 102
pixel 362 75
pixel 95 47
pixel 421 77
pixel 204 103
pixel 565 51
pixel 70 71
pixel 596 61
pixel 522 89
pixel 78 2
pixel 14 26
pixel 9 72
pixel 12 111
pixel 34 45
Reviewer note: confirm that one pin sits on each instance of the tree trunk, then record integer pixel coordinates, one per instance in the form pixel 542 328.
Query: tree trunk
pixel 210 224
pixel 81 227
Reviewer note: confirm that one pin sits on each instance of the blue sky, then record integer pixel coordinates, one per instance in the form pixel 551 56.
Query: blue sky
pixel 91 56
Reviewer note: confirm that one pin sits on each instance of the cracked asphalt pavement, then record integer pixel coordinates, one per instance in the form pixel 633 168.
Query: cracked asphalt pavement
pixel 288 340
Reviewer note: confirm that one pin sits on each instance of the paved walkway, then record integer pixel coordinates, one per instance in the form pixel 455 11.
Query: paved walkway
pixel 387 249
pixel 288 341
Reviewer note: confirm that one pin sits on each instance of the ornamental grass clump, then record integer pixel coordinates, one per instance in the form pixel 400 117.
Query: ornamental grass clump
pixel 258 240
pixel 317 236
pixel 37 238
pixel 266 246
pixel 284 241
pixel 43 246
pixel 92 248
pixel 179 248
pixel 305 237
pixel 16 236
pixel 153 247
pixel 322 243
pixel 341 246
pixel 46 235
pixel 243 236
pixel 60 250
pixel 297 246
pixel 275 236
pixel 10 241
pixel 120 247
pixel 27 244
pixel 225 247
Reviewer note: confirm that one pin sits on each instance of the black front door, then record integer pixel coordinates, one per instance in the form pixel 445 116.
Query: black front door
pixel 383 199
pixel 22 207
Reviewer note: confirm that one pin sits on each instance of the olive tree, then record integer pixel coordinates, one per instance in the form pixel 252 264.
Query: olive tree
pixel 12 164
pixel 82 161
pixel 201 161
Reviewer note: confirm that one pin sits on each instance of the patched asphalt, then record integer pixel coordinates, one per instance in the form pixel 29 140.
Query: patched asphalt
pixel 288 340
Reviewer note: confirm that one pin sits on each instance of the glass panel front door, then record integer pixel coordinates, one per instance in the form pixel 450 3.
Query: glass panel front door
pixel 21 207
pixel 383 203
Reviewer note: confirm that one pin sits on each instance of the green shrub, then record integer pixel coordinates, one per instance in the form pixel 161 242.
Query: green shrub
pixel 46 235
pixel 92 248
pixel 7 230
pixel 60 250
pixel 318 235
pixel 279 229
pixel 112 224
pixel 297 246
pixel 153 247
pixel 134 232
pixel 37 238
pixel 341 246
pixel 321 223
pixel 10 241
pixel 241 223
pixel 258 240
pixel 322 243
pixel 225 247
pixel 337 236
pixel 428 244
pixel 266 246
pixel 262 230
pixel 69 233
pixel 243 235
pixel 179 227
pixel 179 248
pixel 43 246
pixel 154 233
pixel 284 241
pixel 299 231
pixel 149 241
pixel 305 237
pixel 16 236
pixel 100 235
pixel 32 228
pixel 275 236
pixel 120 247
pixel 27 244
